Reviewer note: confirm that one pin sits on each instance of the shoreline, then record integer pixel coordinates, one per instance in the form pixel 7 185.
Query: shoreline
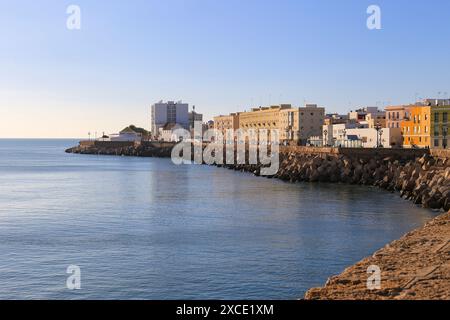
pixel 414 267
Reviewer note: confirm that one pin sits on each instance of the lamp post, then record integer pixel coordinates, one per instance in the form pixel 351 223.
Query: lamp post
pixel 381 138
pixel 344 132
pixel 379 134
pixel 444 138
pixel 325 132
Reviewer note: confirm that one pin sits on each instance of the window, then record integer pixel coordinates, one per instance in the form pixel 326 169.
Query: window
pixel 436 142
pixel 445 117
pixel 436 117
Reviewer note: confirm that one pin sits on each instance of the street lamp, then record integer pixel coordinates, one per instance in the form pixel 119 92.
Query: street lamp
pixel 344 132
pixel 325 132
pixel 444 138
pixel 379 134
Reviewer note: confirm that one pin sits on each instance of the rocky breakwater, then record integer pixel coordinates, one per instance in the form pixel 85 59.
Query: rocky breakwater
pixel 144 149
pixel 424 179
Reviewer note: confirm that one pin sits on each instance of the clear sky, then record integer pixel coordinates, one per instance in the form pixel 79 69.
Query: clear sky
pixel 220 55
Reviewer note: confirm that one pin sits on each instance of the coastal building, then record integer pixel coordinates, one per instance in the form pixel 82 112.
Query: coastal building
pixel 335 134
pixel 301 125
pixel 439 126
pixel 355 135
pixel 370 117
pixel 170 112
pixel 373 138
pixel 416 127
pixel 168 133
pixel 376 119
pixel 126 134
pixel 335 118
pixel 194 117
pixel 361 113
pixel 434 102
pixel 395 115
pixel 262 117
pixel 226 122
pixel 295 125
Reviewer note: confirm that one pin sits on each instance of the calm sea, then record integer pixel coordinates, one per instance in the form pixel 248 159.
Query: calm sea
pixel 142 228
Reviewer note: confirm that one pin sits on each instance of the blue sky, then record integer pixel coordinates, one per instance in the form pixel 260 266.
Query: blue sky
pixel 221 56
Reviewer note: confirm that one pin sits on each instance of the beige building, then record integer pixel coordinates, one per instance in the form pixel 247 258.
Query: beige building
pixel 373 119
pixel 228 122
pixel 295 125
pixel 262 118
pixel 395 115
pixel 301 124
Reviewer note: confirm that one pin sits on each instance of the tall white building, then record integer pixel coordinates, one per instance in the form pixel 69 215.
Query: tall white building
pixel 169 112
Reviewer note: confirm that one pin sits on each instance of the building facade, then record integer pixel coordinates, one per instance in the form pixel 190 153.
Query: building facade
pixel 194 117
pixel 228 122
pixel 416 127
pixel 373 138
pixel 299 125
pixel 395 115
pixel 376 119
pixel 439 126
pixel 163 113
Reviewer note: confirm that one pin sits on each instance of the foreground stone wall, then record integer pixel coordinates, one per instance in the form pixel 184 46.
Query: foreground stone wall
pixel 417 266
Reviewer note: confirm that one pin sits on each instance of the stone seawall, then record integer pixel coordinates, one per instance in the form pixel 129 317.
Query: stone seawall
pixel 144 149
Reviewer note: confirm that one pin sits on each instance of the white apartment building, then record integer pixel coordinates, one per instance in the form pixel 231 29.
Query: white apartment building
pixel 163 113
pixel 352 135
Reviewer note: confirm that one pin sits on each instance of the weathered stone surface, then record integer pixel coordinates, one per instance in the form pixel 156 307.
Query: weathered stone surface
pixel 416 267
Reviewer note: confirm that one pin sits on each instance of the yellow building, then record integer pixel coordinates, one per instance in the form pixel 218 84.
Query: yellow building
pixel 416 127
pixel 439 126
pixel 262 118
